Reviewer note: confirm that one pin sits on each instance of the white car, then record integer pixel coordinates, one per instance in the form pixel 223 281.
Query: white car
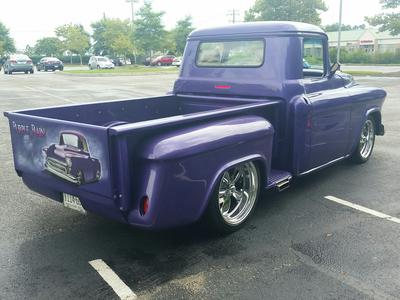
pixel 177 61
pixel 100 62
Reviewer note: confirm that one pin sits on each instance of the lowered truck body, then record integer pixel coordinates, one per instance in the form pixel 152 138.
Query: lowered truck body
pixel 244 115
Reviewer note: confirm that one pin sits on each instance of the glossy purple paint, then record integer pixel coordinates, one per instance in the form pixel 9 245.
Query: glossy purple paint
pixel 174 148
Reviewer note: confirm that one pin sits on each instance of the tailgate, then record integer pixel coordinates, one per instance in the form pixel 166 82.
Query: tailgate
pixel 66 156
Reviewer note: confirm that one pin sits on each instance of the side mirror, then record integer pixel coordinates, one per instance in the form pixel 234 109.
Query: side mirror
pixel 333 69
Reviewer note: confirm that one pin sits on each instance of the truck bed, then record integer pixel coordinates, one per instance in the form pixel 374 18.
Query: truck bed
pixel 112 113
pixel 104 167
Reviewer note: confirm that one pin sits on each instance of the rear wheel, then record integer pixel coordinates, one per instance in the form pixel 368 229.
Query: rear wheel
pixel 31 71
pixel 366 143
pixel 234 198
pixel 26 72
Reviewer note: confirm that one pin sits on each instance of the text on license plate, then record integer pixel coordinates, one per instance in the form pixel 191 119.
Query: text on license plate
pixel 73 202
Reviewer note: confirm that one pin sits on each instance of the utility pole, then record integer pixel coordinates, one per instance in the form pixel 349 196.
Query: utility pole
pixel 234 14
pixel 132 2
pixel 339 33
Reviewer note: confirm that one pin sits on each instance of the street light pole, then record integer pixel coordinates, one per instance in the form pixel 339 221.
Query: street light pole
pixel 339 33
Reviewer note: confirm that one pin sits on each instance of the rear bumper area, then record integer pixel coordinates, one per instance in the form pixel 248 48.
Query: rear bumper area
pixel 20 68
pixel 94 203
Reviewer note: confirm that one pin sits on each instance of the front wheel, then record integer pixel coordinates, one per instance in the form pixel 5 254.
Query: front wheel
pixel 366 143
pixel 234 198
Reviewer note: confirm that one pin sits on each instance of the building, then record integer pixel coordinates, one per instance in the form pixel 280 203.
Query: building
pixel 370 40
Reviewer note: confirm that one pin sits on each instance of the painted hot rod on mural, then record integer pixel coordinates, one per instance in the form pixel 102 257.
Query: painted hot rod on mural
pixel 70 159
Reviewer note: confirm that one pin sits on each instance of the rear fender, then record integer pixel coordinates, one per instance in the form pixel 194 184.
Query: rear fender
pixel 184 166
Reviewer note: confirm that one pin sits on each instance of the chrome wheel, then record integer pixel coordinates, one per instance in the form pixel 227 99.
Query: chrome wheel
pixel 237 193
pixel 367 139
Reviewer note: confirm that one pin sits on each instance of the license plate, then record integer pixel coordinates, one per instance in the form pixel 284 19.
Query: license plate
pixel 73 202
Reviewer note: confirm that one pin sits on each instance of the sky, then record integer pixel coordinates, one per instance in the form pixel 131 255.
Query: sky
pixel 30 20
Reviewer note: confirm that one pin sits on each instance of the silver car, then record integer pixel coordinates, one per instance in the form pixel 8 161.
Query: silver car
pixel 18 63
pixel 100 62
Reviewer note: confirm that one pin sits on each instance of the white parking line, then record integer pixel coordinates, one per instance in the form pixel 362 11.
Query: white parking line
pixel 109 276
pixel 48 94
pixel 363 209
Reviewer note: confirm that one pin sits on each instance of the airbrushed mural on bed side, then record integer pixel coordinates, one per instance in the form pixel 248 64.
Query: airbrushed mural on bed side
pixel 70 159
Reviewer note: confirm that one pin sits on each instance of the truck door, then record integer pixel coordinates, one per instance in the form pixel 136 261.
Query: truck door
pixel 331 108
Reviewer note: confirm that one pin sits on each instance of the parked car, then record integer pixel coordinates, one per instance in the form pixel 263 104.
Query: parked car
pixel 18 63
pixel 121 61
pixel 164 60
pixel 70 159
pixel 243 116
pixel 49 63
pixel 177 61
pixel 100 62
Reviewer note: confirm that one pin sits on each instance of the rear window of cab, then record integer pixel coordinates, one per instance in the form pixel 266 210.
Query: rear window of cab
pixel 238 53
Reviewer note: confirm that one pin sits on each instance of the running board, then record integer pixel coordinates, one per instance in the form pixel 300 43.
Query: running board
pixel 279 179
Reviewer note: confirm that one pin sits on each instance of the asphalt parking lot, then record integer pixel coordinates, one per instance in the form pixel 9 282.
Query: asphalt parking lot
pixel 298 245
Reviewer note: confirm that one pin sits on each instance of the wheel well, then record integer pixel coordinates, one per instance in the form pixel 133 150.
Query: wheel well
pixel 261 171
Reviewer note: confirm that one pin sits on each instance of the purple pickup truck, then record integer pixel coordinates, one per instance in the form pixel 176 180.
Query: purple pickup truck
pixel 246 114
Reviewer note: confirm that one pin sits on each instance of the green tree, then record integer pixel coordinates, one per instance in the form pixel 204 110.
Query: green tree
pixel 6 42
pixel 74 38
pixel 307 11
pixel 389 21
pixel 149 30
pixel 112 37
pixel 29 50
pixel 48 46
pixel 180 33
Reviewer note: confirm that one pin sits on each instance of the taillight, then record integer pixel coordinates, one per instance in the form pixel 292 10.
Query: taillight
pixel 28 61
pixel 222 86
pixel 144 205
pixel 13 61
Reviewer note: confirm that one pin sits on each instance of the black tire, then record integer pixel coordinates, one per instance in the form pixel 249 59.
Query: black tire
pixel 5 72
pixel 31 71
pixel 45 69
pixel 26 72
pixel 98 67
pixel 365 145
pixel 9 72
pixel 213 217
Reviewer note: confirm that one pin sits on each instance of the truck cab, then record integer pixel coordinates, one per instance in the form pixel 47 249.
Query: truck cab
pixel 321 109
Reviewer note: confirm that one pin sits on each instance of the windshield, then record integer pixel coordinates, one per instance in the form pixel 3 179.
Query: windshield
pixel 103 59
pixel 246 53
pixel 70 140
